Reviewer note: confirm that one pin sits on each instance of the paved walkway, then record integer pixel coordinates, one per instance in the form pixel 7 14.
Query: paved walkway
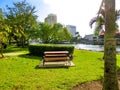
pixel 14 53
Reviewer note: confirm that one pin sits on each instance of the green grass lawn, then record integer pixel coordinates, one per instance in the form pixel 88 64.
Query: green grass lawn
pixel 20 72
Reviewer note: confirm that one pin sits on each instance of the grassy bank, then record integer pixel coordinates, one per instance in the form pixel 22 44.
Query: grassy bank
pixel 20 71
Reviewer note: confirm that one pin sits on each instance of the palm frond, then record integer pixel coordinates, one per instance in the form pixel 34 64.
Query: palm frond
pixel 117 14
pixel 93 20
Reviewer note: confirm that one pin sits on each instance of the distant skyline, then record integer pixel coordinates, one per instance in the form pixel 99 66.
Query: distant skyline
pixel 69 12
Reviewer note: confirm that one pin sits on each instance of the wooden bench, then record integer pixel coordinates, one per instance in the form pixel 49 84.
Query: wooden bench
pixel 55 56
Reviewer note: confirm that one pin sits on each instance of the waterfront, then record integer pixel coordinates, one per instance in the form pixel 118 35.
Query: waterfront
pixel 93 47
pixel 99 48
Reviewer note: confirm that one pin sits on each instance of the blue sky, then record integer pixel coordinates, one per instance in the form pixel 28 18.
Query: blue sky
pixel 69 12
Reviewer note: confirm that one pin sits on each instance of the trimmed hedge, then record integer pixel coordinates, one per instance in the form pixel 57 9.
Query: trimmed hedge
pixel 38 50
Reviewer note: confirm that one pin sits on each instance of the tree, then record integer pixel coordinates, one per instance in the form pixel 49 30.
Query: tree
pixel 56 33
pixel 1 47
pixel 99 20
pixel 58 30
pixel 4 30
pixel 76 38
pixel 52 33
pixel 22 19
pixel 45 32
pixel 110 74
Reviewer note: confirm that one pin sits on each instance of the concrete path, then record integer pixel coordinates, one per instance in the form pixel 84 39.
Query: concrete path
pixel 57 64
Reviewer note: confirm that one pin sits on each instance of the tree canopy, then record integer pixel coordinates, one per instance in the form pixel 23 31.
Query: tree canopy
pixel 56 33
pixel 20 24
pixel 22 19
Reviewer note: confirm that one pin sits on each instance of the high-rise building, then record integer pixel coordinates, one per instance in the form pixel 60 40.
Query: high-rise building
pixel 51 19
pixel 71 29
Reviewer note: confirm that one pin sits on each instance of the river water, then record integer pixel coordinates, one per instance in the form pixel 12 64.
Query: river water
pixel 93 47
pixel 88 47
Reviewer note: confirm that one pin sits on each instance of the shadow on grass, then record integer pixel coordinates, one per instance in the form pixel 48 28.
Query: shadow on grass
pixel 52 67
pixel 14 49
pixel 38 66
pixel 28 56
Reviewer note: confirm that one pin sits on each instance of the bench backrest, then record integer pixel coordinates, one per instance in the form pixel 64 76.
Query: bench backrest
pixel 56 55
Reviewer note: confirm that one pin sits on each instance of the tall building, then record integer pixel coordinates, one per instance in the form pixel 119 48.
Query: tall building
pixel 51 19
pixel 72 29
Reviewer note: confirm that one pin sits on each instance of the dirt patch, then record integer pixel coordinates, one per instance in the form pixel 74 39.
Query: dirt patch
pixel 93 85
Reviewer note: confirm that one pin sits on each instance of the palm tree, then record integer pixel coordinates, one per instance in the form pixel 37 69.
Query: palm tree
pixel 110 74
pixel 99 20
pixel 107 17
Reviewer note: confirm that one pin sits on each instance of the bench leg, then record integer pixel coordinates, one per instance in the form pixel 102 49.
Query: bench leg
pixel 66 63
pixel 69 62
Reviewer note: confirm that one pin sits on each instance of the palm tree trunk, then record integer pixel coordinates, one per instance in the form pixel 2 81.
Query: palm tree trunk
pixel 110 74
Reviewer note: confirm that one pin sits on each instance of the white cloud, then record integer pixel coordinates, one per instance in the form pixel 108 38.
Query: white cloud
pixel 75 12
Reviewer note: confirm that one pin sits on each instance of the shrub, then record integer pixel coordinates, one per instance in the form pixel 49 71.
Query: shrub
pixel 38 50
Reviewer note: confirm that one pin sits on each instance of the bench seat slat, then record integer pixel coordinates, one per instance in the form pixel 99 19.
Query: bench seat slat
pixel 56 58
pixel 56 52
pixel 52 55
